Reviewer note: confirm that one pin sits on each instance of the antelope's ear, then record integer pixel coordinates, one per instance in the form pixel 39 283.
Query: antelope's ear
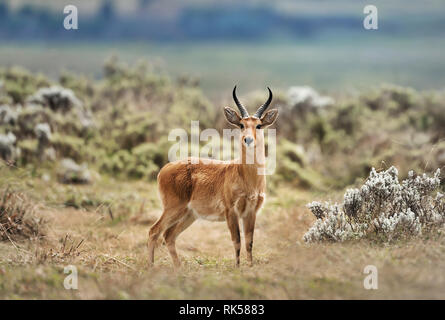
pixel 269 118
pixel 232 116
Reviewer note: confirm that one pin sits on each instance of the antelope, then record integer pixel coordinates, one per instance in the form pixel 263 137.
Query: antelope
pixel 217 190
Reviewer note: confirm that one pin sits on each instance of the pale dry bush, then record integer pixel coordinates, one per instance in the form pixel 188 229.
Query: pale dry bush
pixel 17 217
pixel 383 208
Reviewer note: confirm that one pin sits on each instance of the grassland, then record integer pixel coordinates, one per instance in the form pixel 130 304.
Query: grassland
pixel 102 228
pixel 111 257
pixel 347 63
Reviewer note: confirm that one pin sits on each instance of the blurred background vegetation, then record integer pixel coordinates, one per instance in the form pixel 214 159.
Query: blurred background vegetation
pixel 102 99
pixel 254 43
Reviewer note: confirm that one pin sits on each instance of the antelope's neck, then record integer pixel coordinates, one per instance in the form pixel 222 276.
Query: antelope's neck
pixel 253 173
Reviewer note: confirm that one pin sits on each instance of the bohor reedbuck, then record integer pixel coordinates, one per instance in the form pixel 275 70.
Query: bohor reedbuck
pixel 193 188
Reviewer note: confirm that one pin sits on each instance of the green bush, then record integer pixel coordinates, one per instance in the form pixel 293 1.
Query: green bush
pixel 123 121
pixel 19 83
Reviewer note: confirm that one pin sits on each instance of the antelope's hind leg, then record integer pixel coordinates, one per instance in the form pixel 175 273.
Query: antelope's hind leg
pixel 169 218
pixel 173 232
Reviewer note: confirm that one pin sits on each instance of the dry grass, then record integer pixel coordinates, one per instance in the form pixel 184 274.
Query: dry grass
pixel 110 255
pixel 17 219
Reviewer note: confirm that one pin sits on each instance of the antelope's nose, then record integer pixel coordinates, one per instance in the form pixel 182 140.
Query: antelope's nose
pixel 248 140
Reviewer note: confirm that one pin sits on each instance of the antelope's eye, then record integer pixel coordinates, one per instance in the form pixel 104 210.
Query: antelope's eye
pixel 258 126
pixel 241 126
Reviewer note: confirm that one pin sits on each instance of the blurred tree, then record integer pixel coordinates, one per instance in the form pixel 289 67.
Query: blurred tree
pixel 143 4
pixel 4 10
pixel 107 10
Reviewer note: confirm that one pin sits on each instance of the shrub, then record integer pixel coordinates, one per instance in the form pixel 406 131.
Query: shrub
pixel 144 161
pixel 56 98
pixel 293 166
pixel 7 115
pixel 383 208
pixel 392 98
pixel 7 148
pixel 29 117
pixel 19 83
pixel 69 146
pixel 120 124
pixel 28 150
pixel 71 172
pixel 133 130
pixel 17 218
pixel 305 98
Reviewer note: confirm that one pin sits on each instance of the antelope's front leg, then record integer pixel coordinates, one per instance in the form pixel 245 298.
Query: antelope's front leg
pixel 249 227
pixel 232 223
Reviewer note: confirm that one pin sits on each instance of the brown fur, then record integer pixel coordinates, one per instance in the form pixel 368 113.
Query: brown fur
pixel 216 190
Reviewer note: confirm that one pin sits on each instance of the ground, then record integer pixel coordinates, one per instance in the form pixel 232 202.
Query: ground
pixel 109 250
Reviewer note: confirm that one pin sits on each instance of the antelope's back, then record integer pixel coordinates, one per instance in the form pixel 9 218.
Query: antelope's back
pixel 182 180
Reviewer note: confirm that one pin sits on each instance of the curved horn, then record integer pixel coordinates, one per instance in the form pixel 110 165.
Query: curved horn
pixel 263 108
pixel 244 113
